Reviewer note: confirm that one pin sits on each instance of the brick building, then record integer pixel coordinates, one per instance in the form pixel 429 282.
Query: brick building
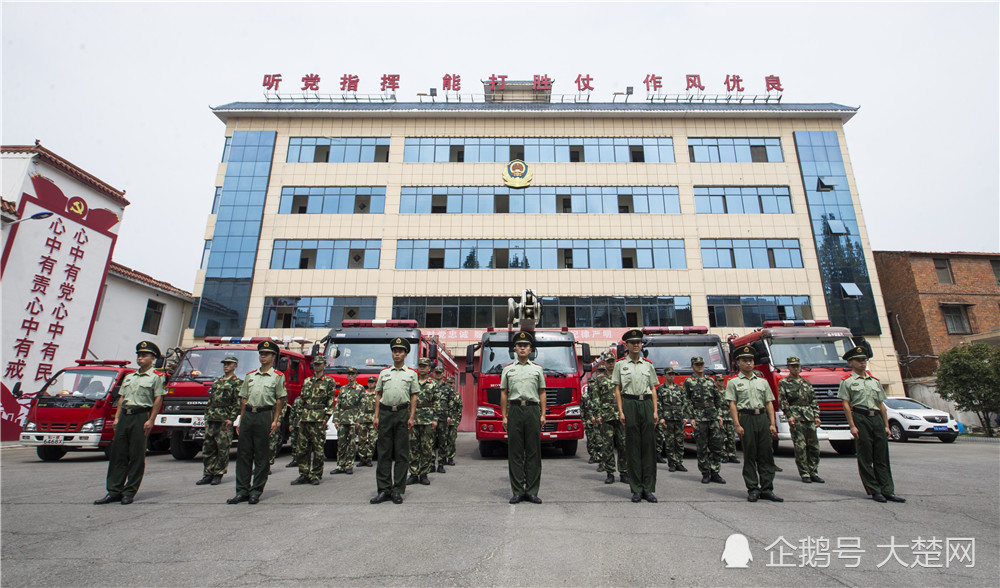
pixel 936 301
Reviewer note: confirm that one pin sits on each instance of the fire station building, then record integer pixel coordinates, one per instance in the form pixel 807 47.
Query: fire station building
pixel 618 215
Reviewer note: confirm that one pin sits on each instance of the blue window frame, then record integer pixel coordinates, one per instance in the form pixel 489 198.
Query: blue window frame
pixel 324 254
pixel 742 200
pixel 338 149
pixel 311 312
pixel 734 150
pixel 332 200
pixel 750 253
pixel 541 254
pixel 539 149
pixel 539 200
pixel 752 311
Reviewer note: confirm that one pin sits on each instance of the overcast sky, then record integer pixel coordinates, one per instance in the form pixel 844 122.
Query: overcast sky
pixel 123 89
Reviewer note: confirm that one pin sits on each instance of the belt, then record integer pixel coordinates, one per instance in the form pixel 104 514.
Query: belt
pixel 394 408
pixel 221 405
pixel 522 402
pixel 136 410
pixel 636 396
pixel 259 408
pixel 865 411
pixel 425 405
pixel 314 406
pixel 673 407
pixel 800 403
pixel 704 405
pixel 752 410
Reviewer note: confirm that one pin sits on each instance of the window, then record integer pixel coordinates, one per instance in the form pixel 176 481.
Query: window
pixel 324 254
pixel 538 254
pixel 338 149
pixel 537 149
pixel 151 322
pixel 751 253
pixel 544 200
pixel 735 150
pixel 956 318
pixel 332 200
pixel 996 269
pixel 836 227
pixel 205 253
pixel 315 312
pixel 850 290
pixel 742 200
pixel 752 311
pixel 943 268
pixel 215 201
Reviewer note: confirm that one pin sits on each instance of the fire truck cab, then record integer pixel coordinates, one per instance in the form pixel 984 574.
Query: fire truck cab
pixel 819 346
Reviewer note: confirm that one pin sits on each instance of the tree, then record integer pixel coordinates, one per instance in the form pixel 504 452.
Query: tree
pixel 969 376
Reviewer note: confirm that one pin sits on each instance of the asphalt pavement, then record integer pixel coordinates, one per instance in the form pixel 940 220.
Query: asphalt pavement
pixel 461 531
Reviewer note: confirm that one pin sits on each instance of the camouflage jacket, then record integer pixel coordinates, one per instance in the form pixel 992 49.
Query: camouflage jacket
pixel 366 408
pixel 727 416
pixel 315 403
pixel 671 401
pixel 797 399
pixel 705 400
pixel 455 400
pixel 602 399
pixel 224 399
pixel 428 403
pixel 348 404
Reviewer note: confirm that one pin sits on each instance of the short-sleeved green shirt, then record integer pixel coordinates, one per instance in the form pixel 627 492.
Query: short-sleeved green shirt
pixel 263 388
pixel 397 385
pixel 748 393
pixel 864 391
pixel 635 377
pixel 522 381
pixel 140 389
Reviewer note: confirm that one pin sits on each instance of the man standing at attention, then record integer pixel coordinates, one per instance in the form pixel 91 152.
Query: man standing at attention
pixel 220 413
pixel 425 422
pixel 728 429
pixel 346 418
pixel 395 403
pixel 750 403
pixel 522 398
pixel 141 397
pixel 366 430
pixel 798 402
pixel 705 405
pixel 672 404
pixel 314 407
pixel 635 384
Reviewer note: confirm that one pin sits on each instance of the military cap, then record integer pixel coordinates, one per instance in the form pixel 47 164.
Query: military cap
pixel 668 371
pixel 230 359
pixel 524 337
pixel 793 361
pixel 424 361
pixel 632 335
pixel 697 359
pixel 319 359
pixel 400 343
pixel 720 378
pixel 269 347
pixel 745 351
pixel 856 353
pixel 610 357
pixel 439 369
pixel 147 347
pixel 352 370
pixel 601 367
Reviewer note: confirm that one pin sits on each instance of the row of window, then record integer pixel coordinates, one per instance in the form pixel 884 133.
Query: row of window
pixel 541 254
pixel 313 312
pixel 735 150
pixel 338 149
pixel 540 200
pixel 742 200
pixel 332 200
pixel 326 254
pixel 750 253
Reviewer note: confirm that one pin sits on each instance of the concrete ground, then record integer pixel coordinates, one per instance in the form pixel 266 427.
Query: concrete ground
pixel 460 530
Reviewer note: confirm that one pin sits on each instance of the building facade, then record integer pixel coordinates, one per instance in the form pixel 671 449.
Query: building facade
pixel 936 301
pixel 636 214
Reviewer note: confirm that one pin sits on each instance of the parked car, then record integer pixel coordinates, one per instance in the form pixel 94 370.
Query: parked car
pixel 909 418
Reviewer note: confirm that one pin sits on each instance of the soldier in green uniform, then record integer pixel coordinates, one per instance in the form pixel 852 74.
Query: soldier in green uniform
pixel 750 403
pixel 396 402
pixel 220 413
pixel 366 432
pixel 424 425
pixel 728 428
pixel 798 402
pixel 292 412
pixel 346 418
pixel 454 419
pixel 635 384
pixel 705 405
pixel 139 403
pixel 587 413
pixel 314 406
pixel 863 396
pixel 522 398
pixel 444 394
pixel 262 398
pixel 672 404
pixel 608 431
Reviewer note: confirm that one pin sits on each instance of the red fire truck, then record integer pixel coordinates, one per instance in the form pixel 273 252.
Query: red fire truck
pixel 364 345
pixel 183 413
pixel 819 347
pixel 75 410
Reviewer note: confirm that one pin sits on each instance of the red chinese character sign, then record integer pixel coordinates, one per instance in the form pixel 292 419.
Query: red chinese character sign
pixel 52 272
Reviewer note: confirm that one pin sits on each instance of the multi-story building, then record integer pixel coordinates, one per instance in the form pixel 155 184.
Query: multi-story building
pixel 936 301
pixel 666 213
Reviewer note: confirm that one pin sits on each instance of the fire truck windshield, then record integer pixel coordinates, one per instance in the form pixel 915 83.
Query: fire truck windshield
pixel 89 384
pixel 205 363
pixel 679 356
pixel 554 359
pixel 364 355
pixel 811 351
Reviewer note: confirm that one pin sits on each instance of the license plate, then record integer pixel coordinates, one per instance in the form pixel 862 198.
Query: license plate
pixel 198 422
pixel 940 428
pixel 52 440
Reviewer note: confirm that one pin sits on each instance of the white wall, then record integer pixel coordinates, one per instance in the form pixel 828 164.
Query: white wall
pixel 119 323
pixel 925 390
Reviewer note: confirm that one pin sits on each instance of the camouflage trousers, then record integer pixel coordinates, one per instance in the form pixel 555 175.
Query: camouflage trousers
pixel 275 439
pixel 452 446
pixel 708 435
pixel 591 435
pixel 347 446
pixel 610 438
pixel 806 447
pixel 366 441
pixel 673 441
pixel 728 438
pixel 216 448
pixel 309 449
pixel 442 442
pixel 421 449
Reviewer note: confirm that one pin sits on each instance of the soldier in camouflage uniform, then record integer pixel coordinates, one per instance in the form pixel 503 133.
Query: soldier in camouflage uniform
pixel 671 401
pixel 293 431
pixel 440 446
pixel 345 417
pixel 798 402
pixel 705 404
pixel 315 405
pixel 728 428
pixel 610 431
pixel 424 424
pixel 366 424
pixel 222 409
pixel 587 414
pixel 455 418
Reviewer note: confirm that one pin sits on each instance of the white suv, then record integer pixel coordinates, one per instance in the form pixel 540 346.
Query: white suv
pixel 909 418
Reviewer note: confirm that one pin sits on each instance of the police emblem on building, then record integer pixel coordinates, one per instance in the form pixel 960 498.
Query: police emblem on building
pixel 517 174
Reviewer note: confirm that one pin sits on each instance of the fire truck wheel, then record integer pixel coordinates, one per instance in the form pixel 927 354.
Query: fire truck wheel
pixel 50 453
pixel 330 449
pixel 568 448
pixel 182 450
pixel 844 446
pixel 487 448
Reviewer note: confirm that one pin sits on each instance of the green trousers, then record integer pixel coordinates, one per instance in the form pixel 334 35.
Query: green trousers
pixel 347 445
pixel 873 454
pixel 640 444
pixel 393 451
pixel 215 448
pixel 708 436
pixel 758 455
pixel 127 462
pixel 806 447
pixel 253 453
pixel 524 449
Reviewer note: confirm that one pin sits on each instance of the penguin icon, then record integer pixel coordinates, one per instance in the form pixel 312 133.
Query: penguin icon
pixel 736 554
